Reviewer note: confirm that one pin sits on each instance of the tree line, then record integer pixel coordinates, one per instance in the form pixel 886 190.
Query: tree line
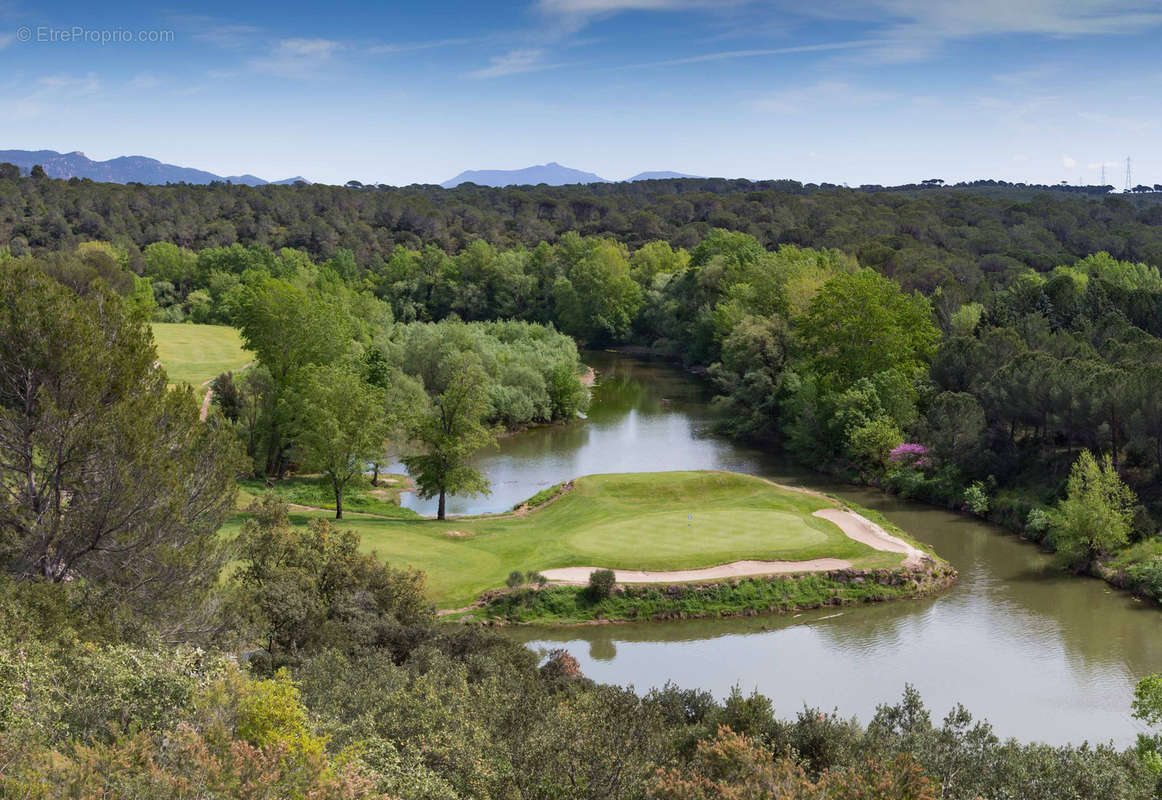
pixel 923 236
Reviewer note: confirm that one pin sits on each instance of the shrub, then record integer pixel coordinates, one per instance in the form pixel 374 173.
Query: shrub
pixel 537 578
pixel 514 579
pixel 1146 577
pixel 1037 523
pixel 976 498
pixel 601 582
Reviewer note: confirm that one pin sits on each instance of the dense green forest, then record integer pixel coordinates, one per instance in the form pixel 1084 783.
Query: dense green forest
pixel 923 237
pixel 1020 385
pixel 119 626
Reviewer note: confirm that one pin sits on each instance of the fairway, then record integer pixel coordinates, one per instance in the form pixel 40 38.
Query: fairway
pixel 640 521
pixel 195 354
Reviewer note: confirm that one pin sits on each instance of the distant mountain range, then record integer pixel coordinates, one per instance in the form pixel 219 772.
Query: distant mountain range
pixel 553 174
pixel 125 169
pixel 140 169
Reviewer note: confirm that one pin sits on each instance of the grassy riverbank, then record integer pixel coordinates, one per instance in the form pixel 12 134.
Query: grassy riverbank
pixel 774 594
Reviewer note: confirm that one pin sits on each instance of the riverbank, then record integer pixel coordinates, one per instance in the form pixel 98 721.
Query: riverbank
pixel 746 597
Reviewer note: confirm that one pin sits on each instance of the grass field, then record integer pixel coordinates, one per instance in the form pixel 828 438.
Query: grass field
pixel 194 354
pixel 628 521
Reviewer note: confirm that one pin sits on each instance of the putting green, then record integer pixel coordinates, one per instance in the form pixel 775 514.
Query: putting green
pixel 728 532
pixel 626 521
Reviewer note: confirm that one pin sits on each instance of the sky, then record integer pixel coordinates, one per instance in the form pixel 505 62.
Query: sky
pixel 843 91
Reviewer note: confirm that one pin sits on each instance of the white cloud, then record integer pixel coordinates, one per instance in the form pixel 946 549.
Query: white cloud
pixel 1068 163
pixel 773 51
pixel 6 39
pixel 825 94
pixel 916 29
pixel 515 62
pixel 410 47
pixel 226 36
pixel 297 58
pixel 69 84
pixel 145 80
pixel 615 6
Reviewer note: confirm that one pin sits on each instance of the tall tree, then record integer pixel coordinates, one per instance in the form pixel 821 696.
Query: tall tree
pixel 863 323
pixel 340 425
pixel 1096 515
pixel 109 478
pixel 289 329
pixel 450 430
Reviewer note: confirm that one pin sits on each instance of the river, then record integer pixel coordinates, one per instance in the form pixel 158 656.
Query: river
pixel 1041 655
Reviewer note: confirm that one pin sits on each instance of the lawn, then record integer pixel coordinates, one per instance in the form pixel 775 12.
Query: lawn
pixel 195 354
pixel 662 520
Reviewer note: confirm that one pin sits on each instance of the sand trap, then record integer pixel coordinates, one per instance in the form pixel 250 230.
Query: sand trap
pixel 863 530
pixel 854 525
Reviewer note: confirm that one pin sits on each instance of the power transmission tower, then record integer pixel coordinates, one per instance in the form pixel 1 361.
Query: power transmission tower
pixel 1103 173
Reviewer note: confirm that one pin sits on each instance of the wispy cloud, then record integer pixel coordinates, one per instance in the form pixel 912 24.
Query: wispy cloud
pixel 824 94
pixel 297 58
pixel 6 39
pixel 410 47
pixel 515 62
pixel 917 29
pixel 217 32
pixel 145 80
pixel 773 51
pixel 54 94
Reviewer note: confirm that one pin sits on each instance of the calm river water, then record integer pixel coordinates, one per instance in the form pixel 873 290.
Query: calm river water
pixel 1040 655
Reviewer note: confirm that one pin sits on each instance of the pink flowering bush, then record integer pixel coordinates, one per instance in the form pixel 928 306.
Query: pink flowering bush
pixel 910 454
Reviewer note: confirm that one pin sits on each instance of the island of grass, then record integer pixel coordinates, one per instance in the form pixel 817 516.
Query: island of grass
pixel 644 522
pixel 195 354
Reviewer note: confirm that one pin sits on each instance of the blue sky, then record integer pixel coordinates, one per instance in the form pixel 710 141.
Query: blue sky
pixel 855 91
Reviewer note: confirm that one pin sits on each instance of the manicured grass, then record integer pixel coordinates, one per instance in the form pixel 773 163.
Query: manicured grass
pixel 314 490
pixel 627 521
pixel 195 354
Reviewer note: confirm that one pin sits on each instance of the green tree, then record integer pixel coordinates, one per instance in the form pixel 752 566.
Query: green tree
pixel 597 300
pixel 112 481
pixel 450 430
pixel 863 323
pixel 289 329
pixel 340 425
pixel 1097 514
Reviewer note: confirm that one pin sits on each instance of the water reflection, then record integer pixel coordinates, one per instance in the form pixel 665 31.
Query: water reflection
pixel 1040 654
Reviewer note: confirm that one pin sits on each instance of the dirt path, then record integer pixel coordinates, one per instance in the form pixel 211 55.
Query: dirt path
pixel 210 392
pixel 854 525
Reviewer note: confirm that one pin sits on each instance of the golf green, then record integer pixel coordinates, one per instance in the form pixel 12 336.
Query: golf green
pixel 640 521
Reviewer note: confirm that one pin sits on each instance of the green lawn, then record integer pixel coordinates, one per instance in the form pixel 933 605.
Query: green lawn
pixel 194 354
pixel 627 521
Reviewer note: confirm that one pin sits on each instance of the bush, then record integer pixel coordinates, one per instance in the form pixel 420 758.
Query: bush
pixel 1037 523
pixel 514 579
pixel 601 583
pixel 1146 577
pixel 976 498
